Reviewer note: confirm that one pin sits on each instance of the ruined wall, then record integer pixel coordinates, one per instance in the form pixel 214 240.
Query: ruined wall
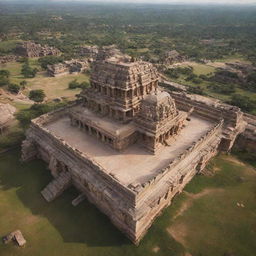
pixel 247 139
pixel 214 110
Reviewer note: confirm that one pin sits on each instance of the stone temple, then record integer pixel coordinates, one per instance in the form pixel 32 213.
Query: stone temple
pixel 128 146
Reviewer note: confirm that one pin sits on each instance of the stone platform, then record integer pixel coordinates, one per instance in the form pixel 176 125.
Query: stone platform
pixel 135 164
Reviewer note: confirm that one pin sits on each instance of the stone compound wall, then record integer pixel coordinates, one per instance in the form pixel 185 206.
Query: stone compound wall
pixel 211 109
pixel 89 177
pixel 247 139
pixel 132 209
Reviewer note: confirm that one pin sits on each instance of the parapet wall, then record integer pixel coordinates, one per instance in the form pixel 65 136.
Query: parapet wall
pixel 102 189
pixel 157 193
pixel 214 110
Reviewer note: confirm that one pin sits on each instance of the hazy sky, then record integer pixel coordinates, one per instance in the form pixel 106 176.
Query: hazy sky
pixel 170 1
pixel 152 1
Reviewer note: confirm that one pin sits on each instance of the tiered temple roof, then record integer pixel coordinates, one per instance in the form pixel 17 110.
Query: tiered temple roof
pixel 126 92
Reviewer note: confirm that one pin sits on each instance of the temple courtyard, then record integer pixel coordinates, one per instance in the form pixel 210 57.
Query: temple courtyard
pixel 213 216
pixel 134 164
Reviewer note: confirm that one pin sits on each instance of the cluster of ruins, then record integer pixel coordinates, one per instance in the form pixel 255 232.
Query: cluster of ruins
pixel 67 67
pixel 100 53
pixel 30 49
pixel 129 146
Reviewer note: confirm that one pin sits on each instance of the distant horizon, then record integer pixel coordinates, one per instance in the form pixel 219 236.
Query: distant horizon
pixel 171 2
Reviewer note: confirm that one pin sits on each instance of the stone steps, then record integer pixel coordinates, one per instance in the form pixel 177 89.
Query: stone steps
pixel 56 186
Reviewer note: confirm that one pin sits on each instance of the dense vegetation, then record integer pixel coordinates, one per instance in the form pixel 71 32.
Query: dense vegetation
pixel 149 30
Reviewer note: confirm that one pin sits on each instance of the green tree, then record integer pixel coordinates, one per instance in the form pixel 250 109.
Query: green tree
pixel 243 102
pixel 37 95
pixel 73 84
pixel 23 84
pixel 4 73
pixel 4 81
pixel 13 88
pixel 49 60
pixel 27 71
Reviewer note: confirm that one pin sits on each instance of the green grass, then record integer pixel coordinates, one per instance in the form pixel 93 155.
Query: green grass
pixel 214 224
pixel 200 69
pixel 58 228
pixel 54 87
pixel 9 45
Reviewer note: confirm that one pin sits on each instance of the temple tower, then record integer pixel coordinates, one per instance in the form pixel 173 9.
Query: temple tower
pixel 117 87
pixel 159 120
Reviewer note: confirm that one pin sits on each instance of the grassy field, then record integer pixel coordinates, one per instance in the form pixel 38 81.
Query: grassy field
pixel 54 87
pixel 204 220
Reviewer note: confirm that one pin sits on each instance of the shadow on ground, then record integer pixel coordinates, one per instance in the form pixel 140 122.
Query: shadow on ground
pixel 83 224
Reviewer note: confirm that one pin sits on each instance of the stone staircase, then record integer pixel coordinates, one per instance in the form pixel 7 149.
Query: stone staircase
pixel 57 186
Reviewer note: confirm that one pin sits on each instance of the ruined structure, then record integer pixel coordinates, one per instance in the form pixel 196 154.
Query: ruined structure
pixel 89 52
pixel 7 58
pixel 128 146
pixel 172 57
pixel 30 49
pixel 6 116
pixel 247 140
pixel 93 53
pixel 67 67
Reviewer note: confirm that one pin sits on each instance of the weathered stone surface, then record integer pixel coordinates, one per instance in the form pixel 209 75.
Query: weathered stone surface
pixel 57 186
pixel 102 142
pixel 15 236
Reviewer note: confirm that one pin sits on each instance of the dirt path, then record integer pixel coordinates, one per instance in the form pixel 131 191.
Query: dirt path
pixel 179 231
pixel 191 197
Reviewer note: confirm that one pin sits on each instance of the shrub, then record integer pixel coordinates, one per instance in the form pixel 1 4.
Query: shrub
pixel 74 84
pixel 196 80
pixel 37 95
pixel 243 102
pixel 4 73
pixel 4 81
pixel 13 88
pixel 197 90
pixel 27 71
pixel 49 60
pixel 26 115
pixel 23 84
